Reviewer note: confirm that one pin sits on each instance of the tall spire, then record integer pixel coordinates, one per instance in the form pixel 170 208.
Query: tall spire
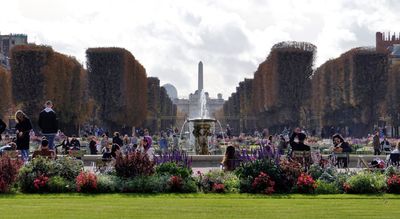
pixel 200 74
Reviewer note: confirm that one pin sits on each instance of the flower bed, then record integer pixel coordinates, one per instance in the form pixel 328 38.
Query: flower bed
pixel 259 172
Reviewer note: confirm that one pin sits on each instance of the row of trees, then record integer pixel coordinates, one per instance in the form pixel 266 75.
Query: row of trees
pixel 112 92
pixel 357 90
pixel 277 96
pixel 161 110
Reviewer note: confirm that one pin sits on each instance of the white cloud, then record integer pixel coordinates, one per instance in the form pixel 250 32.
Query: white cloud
pixel 169 37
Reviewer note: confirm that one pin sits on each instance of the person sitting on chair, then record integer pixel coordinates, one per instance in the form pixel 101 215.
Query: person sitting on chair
pixel 299 144
pixel 44 151
pixel 11 146
pixel 340 146
pixel 230 159
pixel 75 144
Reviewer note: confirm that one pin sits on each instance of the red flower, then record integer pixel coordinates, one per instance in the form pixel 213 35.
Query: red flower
pixel 306 184
pixel 86 182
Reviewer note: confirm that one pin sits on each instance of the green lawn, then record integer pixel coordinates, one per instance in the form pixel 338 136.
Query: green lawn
pixel 198 206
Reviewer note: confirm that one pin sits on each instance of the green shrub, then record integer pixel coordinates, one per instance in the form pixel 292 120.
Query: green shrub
pixel 315 171
pixel 250 170
pixel 58 184
pixel 68 168
pixel 145 184
pixel 207 181
pixel 329 175
pixel 172 169
pixel 107 183
pixel 38 167
pixel 133 165
pixel 365 182
pixel 391 170
pixel 324 187
pixel 189 186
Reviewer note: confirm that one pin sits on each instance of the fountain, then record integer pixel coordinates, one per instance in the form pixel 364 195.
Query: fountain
pixel 201 128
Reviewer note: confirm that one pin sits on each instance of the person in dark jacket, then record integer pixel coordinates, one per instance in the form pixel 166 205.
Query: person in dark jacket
pixel 48 123
pixel 23 128
pixel 75 144
pixel 3 127
pixel 299 145
pixel 340 146
pixel 92 145
pixel 117 140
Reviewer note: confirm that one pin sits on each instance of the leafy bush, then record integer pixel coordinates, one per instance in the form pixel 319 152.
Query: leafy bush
pixel 207 181
pixel 34 170
pixel 324 187
pixel 189 186
pixel 315 171
pixel 40 183
pixel 250 170
pixel 365 182
pixel 86 182
pixel 305 184
pixel 107 183
pixel 68 168
pixel 134 164
pixel 145 184
pixel 291 170
pixel 393 184
pixel 263 184
pixel 329 175
pixel 391 170
pixel 175 184
pixel 58 184
pixel 173 169
pixel 218 188
pixel 8 172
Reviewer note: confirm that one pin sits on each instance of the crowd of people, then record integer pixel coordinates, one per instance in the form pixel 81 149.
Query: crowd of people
pixel 53 141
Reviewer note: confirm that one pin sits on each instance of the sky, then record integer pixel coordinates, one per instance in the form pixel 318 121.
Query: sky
pixel 169 38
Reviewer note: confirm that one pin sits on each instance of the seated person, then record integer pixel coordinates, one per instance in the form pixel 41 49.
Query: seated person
pixel 75 144
pixel 44 151
pixel 11 146
pixel 115 150
pixel 385 145
pixel 230 159
pixel 299 144
pixel 396 149
pixel 106 154
pixel 65 145
pixel 339 145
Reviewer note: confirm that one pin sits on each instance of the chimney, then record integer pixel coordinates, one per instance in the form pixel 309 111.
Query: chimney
pixel 200 74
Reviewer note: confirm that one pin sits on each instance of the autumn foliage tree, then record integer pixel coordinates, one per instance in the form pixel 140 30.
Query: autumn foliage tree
pixel 118 84
pixel 351 91
pixel 40 74
pixel 5 92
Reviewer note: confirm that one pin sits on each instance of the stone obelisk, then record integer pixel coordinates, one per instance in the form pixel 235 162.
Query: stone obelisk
pixel 200 79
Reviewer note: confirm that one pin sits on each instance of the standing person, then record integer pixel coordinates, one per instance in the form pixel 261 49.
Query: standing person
pixel 92 145
pixel 282 145
pixel 228 131
pixel 300 137
pixel 23 128
pixel 376 143
pixel 163 143
pixel 2 127
pixel 48 123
